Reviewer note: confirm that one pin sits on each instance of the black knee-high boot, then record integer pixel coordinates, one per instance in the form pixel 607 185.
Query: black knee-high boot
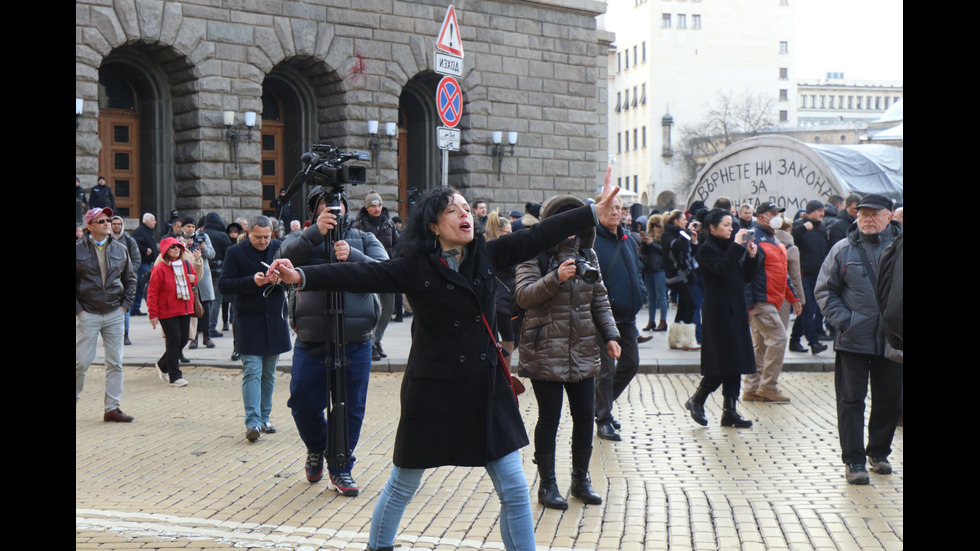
pixel 548 494
pixel 581 483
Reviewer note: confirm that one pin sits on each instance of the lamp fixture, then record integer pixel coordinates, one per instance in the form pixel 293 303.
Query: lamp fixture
pixel 375 144
pixel 231 132
pixel 498 148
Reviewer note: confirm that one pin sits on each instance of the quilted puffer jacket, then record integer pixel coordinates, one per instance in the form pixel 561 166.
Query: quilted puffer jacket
pixel 566 323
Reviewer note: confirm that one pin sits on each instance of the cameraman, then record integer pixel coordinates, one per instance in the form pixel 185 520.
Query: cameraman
pixel 307 316
pixel 198 244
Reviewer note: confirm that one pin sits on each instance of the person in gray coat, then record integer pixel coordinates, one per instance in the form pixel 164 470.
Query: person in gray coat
pixel 568 319
pixel 845 291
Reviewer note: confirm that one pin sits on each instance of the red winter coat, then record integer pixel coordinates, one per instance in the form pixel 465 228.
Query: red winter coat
pixel 161 293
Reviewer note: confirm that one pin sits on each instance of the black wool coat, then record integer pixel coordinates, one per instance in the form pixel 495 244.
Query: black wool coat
pixel 260 324
pixel 456 405
pixel 726 340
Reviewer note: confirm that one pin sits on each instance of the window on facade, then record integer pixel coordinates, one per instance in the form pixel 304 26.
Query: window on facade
pixel 635 96
pixel 783 73
pixel 636 58
pixel 644 137
pixel 636 142
pixel 696 21
pixel 783 47
pixel 626 104
pixel 636 183
pixel 627 65
pixel 627 135
pixel 783 95
pixel 619 101
pixel 681 21
pixel 784 116
pixel 665 21
pixel 619 62
pixel 619 142
pixel 644 52
pixel 643 100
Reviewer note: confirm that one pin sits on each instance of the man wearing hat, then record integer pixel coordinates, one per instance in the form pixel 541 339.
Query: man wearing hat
pixel 811 240
pixel 373 218
pixel 845 291
pixel 766 293
pixel 104 289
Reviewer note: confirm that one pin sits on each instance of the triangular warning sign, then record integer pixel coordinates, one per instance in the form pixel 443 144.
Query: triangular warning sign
pixel 449 40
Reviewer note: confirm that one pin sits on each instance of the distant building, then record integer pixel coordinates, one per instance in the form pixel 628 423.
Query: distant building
pixel 670 60
pixel 835 100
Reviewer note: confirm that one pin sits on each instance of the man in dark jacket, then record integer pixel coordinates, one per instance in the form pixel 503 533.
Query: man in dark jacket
pixel 838 227
pixel 104 290
pixel 620 269
pixel 373 218
pixel 846 294
pixel 101 195
pixel 215 228
pixel 811 240
pixel 262 333
pixel 307 315
pixel 149 251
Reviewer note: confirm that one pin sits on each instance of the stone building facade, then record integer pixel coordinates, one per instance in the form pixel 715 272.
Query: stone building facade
pixel 156 78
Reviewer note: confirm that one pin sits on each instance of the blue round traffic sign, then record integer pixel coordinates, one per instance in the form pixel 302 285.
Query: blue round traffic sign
pixel 449 101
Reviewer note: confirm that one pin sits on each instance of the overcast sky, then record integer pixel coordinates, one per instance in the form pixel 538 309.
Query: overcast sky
pixel 861 38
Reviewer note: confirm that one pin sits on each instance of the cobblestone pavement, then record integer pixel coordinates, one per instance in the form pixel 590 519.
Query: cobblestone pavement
pixel 182 475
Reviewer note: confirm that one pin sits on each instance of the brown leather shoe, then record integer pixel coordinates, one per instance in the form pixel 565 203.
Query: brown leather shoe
pixel 750 396
pixel 772 396
pixel 644 338
pixel 117 416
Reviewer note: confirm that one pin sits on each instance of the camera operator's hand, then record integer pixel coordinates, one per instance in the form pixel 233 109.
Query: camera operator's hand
pixel 341 249
pixel 566 270
pixel 326 221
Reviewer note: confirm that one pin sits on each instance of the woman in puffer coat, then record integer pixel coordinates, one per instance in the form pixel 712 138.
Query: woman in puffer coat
pixel 567 321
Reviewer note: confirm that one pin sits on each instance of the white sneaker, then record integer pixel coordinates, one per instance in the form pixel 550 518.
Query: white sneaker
pixel 179 382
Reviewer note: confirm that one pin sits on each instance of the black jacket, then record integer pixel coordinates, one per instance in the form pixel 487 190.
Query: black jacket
pixel 457 407
pixel 813 246
pixel 726 347
pixel 148 243
pixel 259 325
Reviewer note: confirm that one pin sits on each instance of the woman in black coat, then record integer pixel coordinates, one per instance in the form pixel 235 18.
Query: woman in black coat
pixel 457 405
pixel 726 352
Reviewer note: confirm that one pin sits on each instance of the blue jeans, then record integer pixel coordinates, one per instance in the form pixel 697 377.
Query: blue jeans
pixel 656 284
pixel 258 383
pixel 507 474
pixel 810 321
pixel 308 394
pixel 142 278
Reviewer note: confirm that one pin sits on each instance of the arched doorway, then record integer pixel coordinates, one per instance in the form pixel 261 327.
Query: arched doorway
pixel 136 132
pixel 419 167
pixel 295 95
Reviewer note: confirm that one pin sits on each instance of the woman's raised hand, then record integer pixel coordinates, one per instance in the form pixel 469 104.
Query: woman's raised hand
pixel 607 201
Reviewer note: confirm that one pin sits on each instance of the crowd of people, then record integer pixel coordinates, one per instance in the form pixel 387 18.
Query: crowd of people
pixel 561 284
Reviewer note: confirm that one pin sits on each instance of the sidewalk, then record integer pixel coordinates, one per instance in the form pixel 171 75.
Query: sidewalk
pixel 655 356
pixel 182 474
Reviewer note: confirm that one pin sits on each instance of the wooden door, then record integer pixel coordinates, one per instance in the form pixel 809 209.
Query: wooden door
pixel 272 164
pixel 119 158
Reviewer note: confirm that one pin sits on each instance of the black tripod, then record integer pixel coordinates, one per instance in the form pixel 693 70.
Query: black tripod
pixel 336 362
